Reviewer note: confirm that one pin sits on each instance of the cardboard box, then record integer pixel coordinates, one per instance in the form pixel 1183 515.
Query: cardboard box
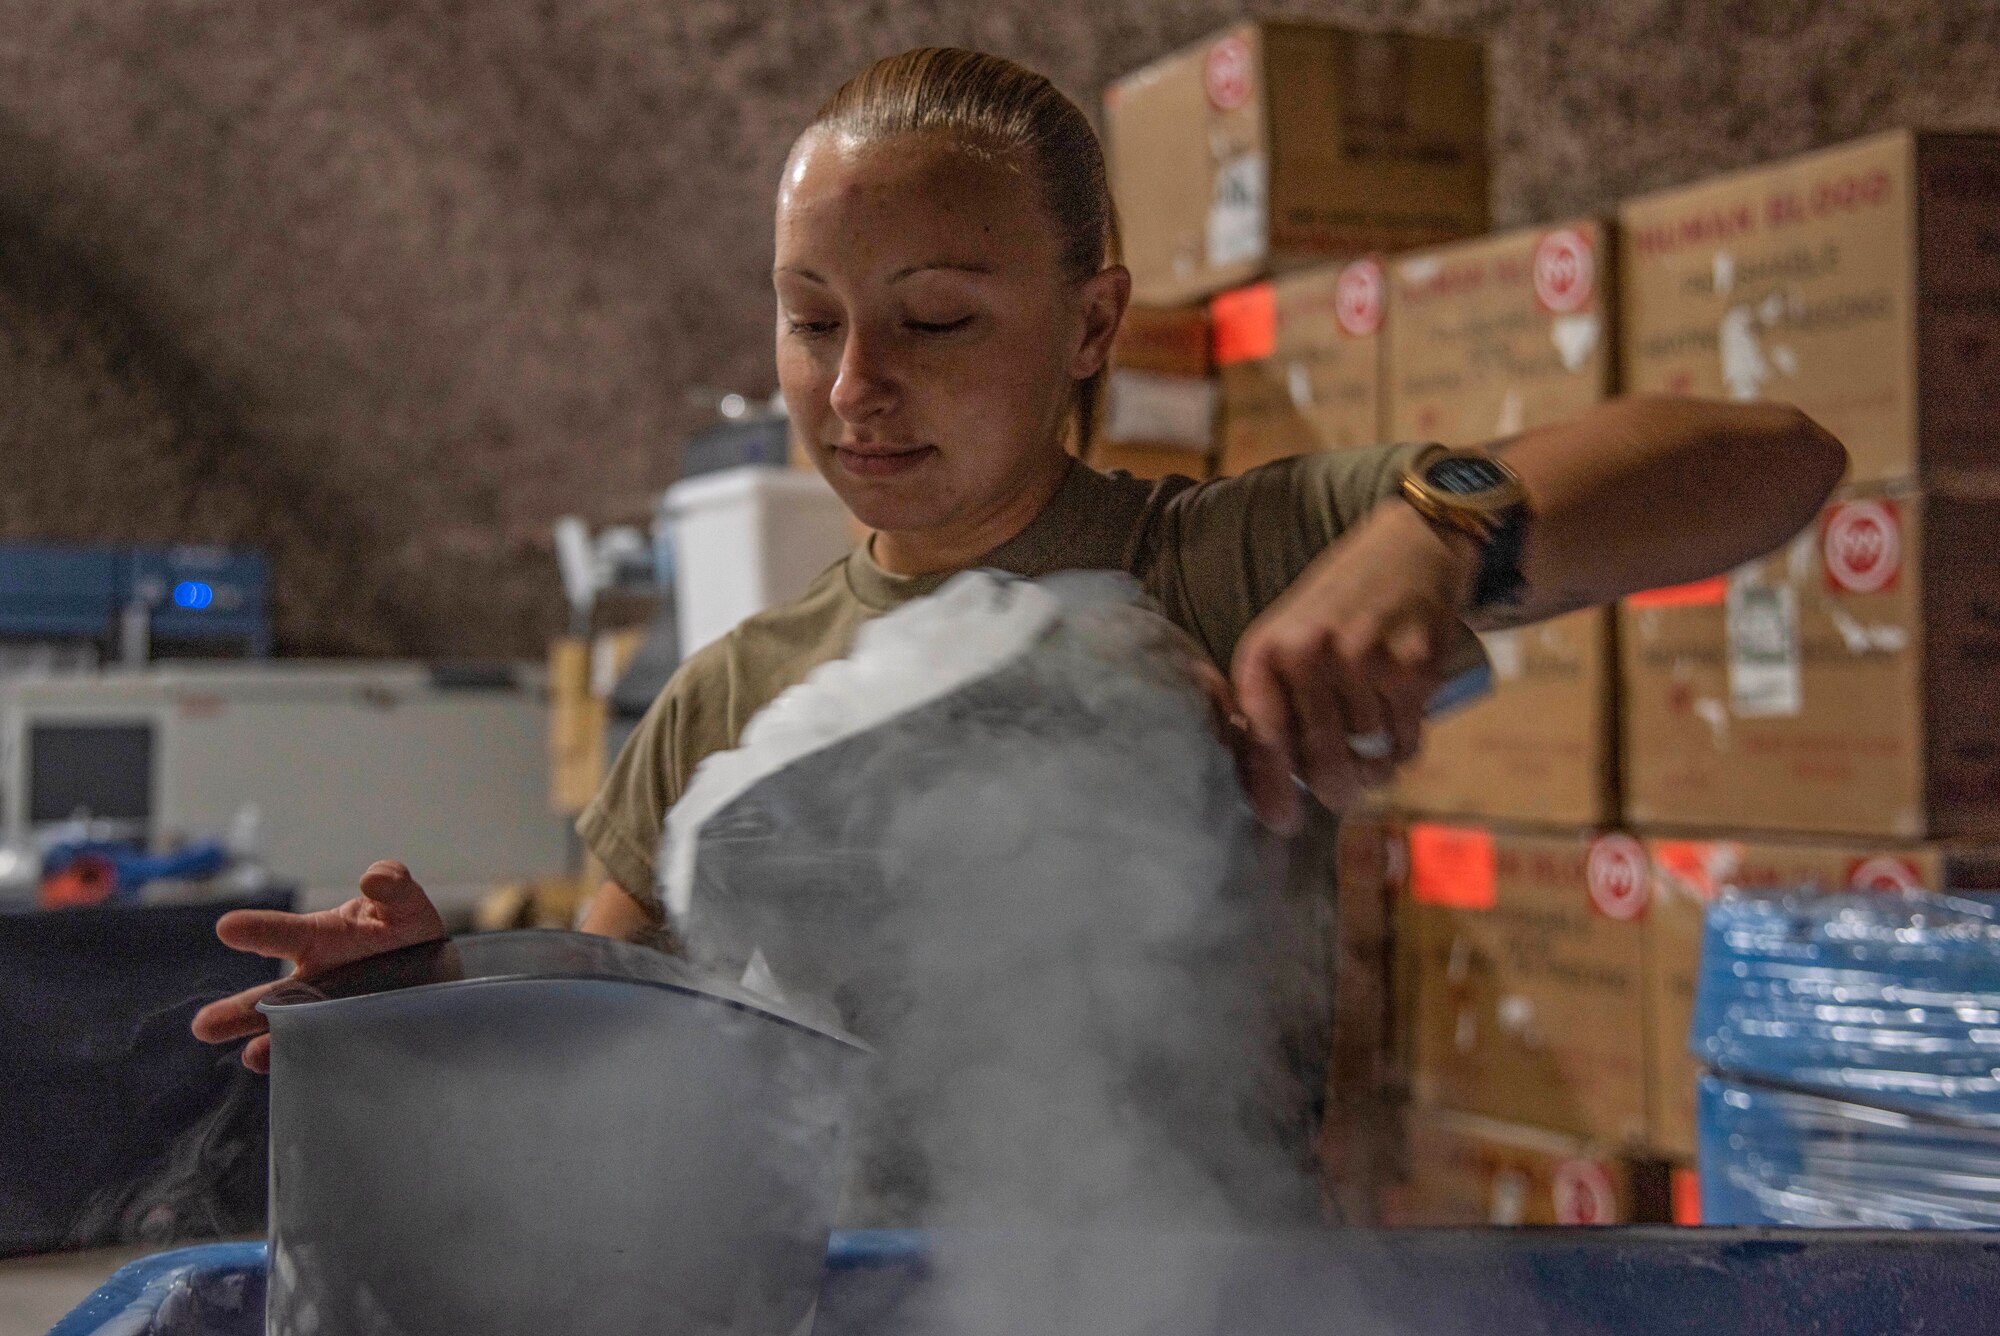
pixel 1842 686
pixel 1528 955
pixel 1160 397
pixel 1859 282
pixel 1488 338
pixel 1689 872
pixel 1543 746
pixel 1466 1170
pixel 1273 145
pixel 1172 341
pixel 582 673
pixel 576 727
pixel 1301 363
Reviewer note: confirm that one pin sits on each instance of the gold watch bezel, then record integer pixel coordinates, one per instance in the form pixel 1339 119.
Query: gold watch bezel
pixel 1479 514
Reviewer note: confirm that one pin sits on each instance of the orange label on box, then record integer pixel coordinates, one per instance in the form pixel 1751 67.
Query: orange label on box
pixel 1244 324
pixel 1688 862
pixel 1686 1190
pixel 1453 866
pixel 1712 592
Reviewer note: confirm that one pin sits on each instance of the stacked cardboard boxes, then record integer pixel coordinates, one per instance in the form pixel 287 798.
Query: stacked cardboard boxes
pixel 1301 363
pixel 1275 145
pixel 1521 978
pixel 1522 915
pixel 1267 148
pixel 1836 686
pixel 1486 339
pixel 1810 717
pixel 1160 396
pixel 1467 1170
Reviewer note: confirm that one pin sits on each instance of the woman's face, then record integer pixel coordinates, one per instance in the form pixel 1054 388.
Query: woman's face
pixel 928 341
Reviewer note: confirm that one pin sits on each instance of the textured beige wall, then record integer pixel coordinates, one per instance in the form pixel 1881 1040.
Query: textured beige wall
pixel 386 287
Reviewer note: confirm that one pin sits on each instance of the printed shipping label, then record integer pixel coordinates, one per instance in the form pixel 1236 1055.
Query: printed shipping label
pixel 1236 211
pixel 1763 634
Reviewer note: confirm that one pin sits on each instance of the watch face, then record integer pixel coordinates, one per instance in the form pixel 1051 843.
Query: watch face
pixel 1465 475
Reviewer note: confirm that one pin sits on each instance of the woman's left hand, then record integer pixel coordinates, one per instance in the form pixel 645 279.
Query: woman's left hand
pixel 1334 676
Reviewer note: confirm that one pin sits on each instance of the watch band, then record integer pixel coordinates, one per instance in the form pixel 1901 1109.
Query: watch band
pixel 1499 582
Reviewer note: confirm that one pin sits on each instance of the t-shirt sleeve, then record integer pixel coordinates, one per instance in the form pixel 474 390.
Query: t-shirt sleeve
pixel 623 823
pixel 1226 550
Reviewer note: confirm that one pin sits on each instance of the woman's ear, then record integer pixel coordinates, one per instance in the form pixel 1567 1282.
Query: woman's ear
pixel 1105 297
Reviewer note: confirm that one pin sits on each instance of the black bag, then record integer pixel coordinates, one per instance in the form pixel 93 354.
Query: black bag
pixel 116 1124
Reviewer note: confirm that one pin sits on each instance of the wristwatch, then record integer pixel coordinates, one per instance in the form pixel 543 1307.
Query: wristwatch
pixel 1475 494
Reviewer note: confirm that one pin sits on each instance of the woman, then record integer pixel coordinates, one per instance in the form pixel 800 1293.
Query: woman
pixel 947 290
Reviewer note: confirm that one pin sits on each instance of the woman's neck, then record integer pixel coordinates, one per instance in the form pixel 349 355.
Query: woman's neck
pixel 955 547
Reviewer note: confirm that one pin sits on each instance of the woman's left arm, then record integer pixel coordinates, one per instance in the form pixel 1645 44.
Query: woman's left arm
pixel 1650 491
pixel 1631 495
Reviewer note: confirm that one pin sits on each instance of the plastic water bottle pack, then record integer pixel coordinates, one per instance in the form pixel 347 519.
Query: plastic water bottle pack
pixel 1854 1042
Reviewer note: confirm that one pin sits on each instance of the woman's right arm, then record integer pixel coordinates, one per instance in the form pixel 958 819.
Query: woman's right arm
pixel 615 913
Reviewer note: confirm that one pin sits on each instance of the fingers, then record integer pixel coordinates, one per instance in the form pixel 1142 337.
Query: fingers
pixel 1340 710
pixel 1267 781
pixel 1261 696
pixel 1262 769
pixel 233 1016
pixel 390 885
pixel 257 1055
pixel 266 932
pixel 401 902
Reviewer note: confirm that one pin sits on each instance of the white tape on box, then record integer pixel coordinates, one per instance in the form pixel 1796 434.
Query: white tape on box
pixel 1145 407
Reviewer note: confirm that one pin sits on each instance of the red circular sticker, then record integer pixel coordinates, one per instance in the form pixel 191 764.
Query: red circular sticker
pixel 1863 545
pixel 1565 271
pixel 1884 873
pixel 1227 73
pixel 1584 1194
pixel 1357 298
pixel 1616 873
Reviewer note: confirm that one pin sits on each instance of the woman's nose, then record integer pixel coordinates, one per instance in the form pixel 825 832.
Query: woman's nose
pixel 864 385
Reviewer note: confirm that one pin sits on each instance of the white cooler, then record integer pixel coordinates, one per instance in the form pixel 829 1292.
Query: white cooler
pixel 746 539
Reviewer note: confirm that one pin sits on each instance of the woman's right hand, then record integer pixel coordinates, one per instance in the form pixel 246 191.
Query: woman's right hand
pixel 391 912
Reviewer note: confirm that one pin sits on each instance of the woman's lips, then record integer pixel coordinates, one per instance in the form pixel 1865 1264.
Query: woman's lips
pixel 876 463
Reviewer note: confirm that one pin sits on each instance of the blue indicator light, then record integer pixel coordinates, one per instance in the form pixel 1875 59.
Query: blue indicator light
pixel 193 594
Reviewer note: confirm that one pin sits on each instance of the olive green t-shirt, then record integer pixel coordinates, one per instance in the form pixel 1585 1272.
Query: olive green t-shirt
pixel 1213 555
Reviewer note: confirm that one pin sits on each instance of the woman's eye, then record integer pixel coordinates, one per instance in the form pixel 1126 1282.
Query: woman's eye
pixel 940 327
pixel 811 328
